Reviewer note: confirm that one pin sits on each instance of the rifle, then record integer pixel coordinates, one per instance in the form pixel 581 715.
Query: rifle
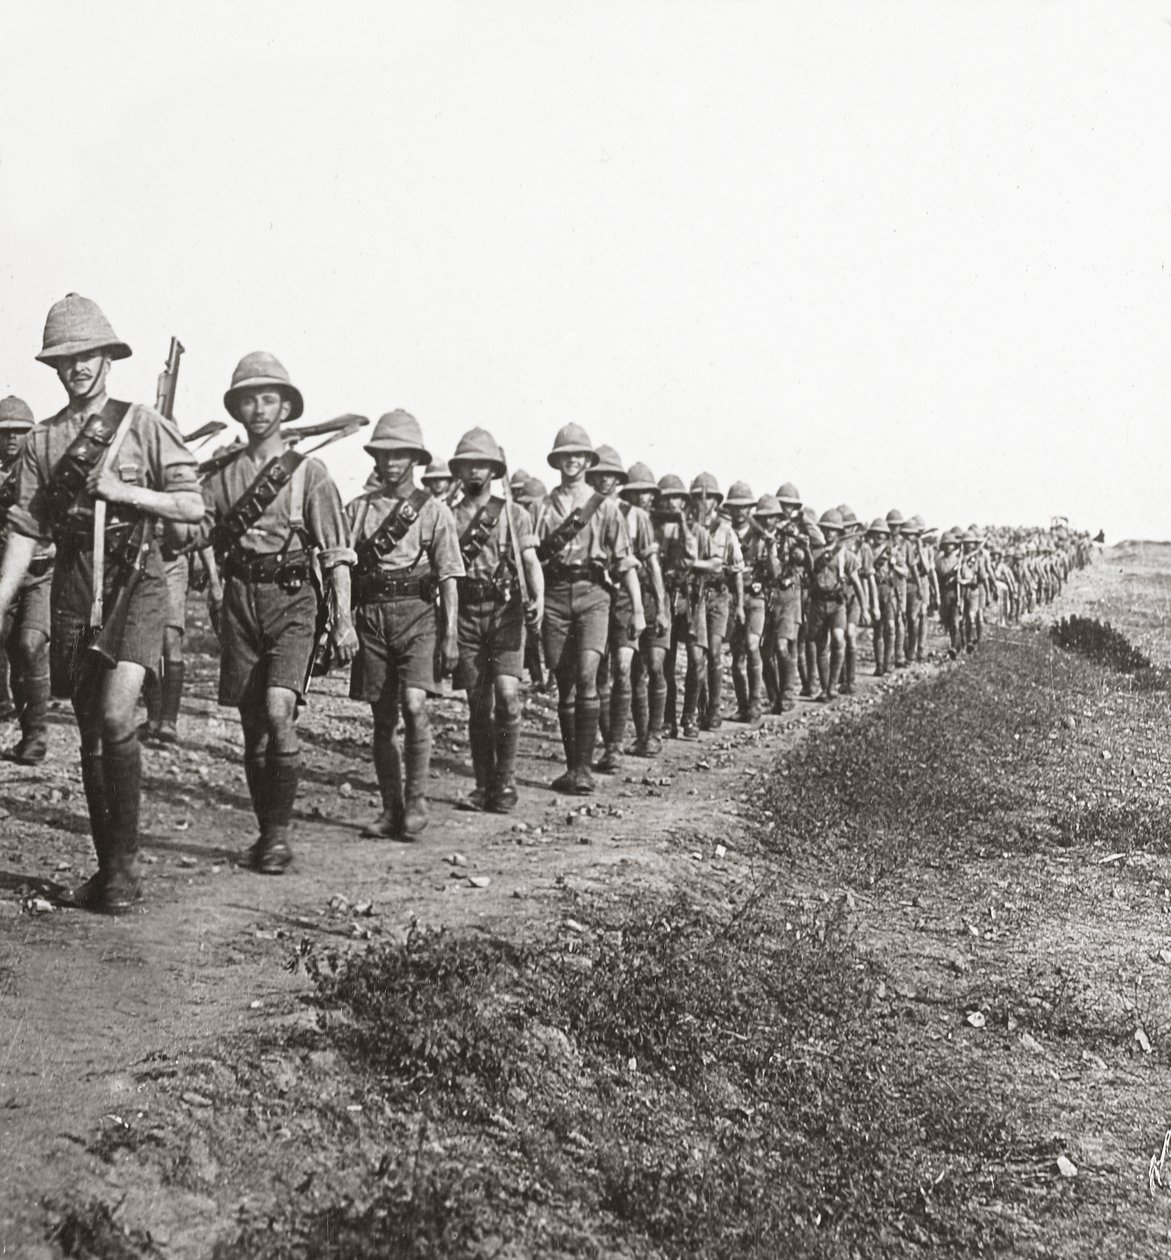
pixel 333 430
pixel 107 630
pixel 517 558
pixel 205 431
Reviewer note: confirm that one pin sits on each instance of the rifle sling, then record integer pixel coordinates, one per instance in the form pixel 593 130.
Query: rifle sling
pixel 391 532
pixel 256 500
pixel 81 457
pixel 569 529
pixel 479 530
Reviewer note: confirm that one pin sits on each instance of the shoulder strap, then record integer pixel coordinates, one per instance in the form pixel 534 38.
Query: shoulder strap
pixel 569 529
pixel 279 472
pixel 392 530
pixel 479 529
pixel 82 456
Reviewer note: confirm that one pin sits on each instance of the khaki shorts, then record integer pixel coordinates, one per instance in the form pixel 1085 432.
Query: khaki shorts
pixel 491 641
pixel 176 577
pixel 577 620
pixel 396 650
pixel 266 640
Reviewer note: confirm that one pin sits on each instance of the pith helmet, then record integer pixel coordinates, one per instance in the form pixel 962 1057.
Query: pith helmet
pixel 847 514
pixel 535 489
pixel 788 495
pixel 399 431
pixel 517 481
pixel 969 536
pixel 914 526
pixel 768 505
pixel 437 470
pixel 815 536
pixel 878 526
pixel 639 479
pixel 76 325
pixel 608 463
pixel 671 485
pixel 478 446
pixel 257 371
pixel 894 518
pixel 571 439
pixel 740 495
pixel 831 518
pixel 808 514
pixel 15 413
pixel 705 484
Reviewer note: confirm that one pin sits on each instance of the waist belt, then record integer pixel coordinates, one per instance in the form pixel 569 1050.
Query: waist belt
pixel 373 588
pixel 482 591
pixel 78 539
pixel 289 570
pixel 574 573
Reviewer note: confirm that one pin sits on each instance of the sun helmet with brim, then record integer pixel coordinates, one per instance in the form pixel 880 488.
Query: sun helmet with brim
pixel 571 439
pixel 398 432
pixel 607 464
pixel 640 480
pixel 478 446
pixel 76 325
pixel 259 371
pixel 740 496
pixel 15 413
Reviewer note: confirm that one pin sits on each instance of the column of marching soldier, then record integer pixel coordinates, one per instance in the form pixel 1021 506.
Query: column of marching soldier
pixel 611 584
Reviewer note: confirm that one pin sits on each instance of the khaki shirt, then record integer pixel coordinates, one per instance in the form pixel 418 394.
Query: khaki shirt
pixel 497 548
pixel 430 547
pixel 320 514
pixel 152 455
pixel 726 546
pixel 603 541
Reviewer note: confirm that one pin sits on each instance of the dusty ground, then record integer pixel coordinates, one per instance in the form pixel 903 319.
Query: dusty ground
pixel 107 1025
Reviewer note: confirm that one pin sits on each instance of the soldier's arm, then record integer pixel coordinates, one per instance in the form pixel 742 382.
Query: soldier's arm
pixel 535 577
pixel 18 556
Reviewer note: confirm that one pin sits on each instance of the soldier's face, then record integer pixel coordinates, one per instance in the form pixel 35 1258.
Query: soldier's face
pixel 393 466
pixel 476 476
pixel 83 375
pixel 604 483
pixel 9 444
pixel 739 515
pixel 572 466
pixel 439 487
pixel 645 499
pixel 262 411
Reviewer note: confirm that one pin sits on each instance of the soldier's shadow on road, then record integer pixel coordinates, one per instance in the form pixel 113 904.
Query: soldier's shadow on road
pixel 17 881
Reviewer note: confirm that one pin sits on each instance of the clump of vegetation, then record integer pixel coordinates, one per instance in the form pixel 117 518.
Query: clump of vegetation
pixel 88 1231
pixel 917 775
pixel 1100 642
pixel 666 1083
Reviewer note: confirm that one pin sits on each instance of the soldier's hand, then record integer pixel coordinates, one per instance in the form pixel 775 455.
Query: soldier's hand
pixel 534 613
pixel 638 623
pixel 449 653
pixel 344 638
pixel 215 611
pixel 739 614
pixel 661 627
pixel 864 620
pixel 104 483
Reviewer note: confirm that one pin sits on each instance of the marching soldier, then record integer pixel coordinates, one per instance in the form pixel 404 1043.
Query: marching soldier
pixel 833 572
pixel 272 515
pixel 880 576
pixel 491 628
pixel 406 542
pixel 100 460
pixel 615 672
pixel 754 532
pixel 24 632
pixel 947 560
pixel 682 545
pixel 857 596
pixel 784 614
pixel 438 479
pixel 163 691
pixel 897 553
pixel 722 576
pixel 582 543
pixel 648 686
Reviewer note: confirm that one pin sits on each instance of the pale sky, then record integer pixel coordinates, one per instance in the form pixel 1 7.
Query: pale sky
pixel 903 254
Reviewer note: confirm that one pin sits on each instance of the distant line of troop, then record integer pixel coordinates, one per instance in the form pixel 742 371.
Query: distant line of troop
pixel 612 584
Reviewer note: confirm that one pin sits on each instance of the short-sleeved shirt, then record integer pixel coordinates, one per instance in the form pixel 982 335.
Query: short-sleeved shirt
pixel 726 546
pixel 679 542
pixel 152 454
pixel 9 483
pixel 320 513
pixel 603 541
pixel 428 548
pixel 641 531
pixel 497 548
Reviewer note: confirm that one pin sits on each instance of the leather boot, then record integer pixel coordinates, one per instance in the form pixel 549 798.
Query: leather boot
pixel 502 798
pixel 657 700
pixel 567 718
pixel 388 769
pixel 417 763
pixel 122 765
pixel 604 694
pixel 640 712
pixel 713 718
pixel 690 728
pixel 740 686
pixel 619 719
pixel 271 855
pixel 34 720
pixel 172 694
pixel 482 738
pixel 91 894
pixel 585 734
